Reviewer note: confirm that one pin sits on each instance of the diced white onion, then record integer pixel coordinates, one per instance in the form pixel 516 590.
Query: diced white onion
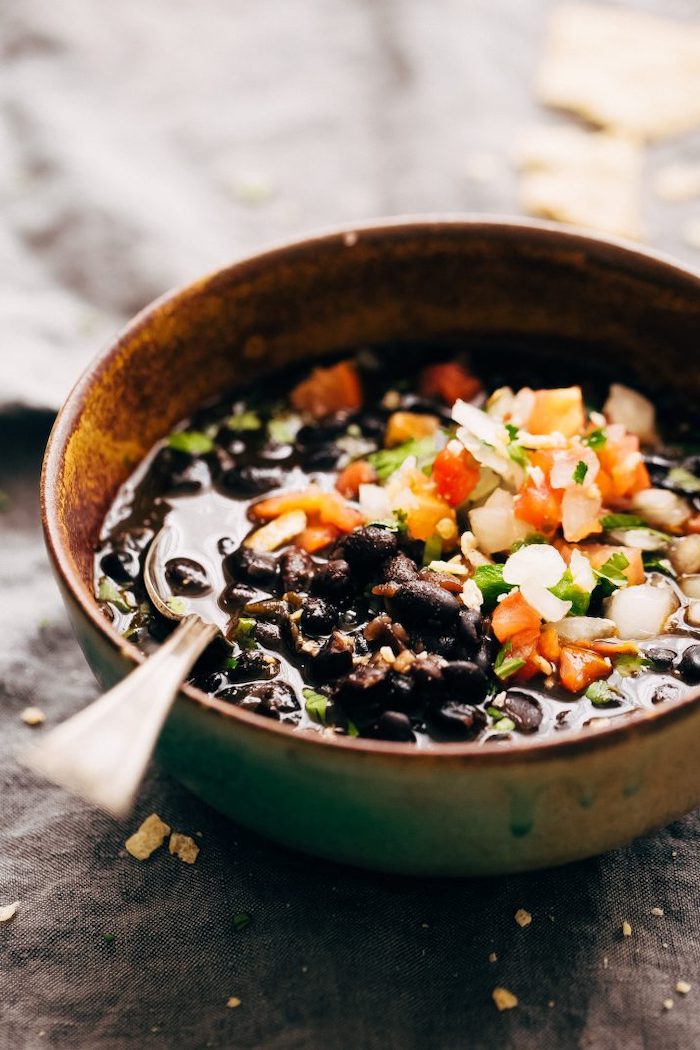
pixel 642 611
pixel 685 554
pixel 661 508
pixel 374 503
pixel 549 607
pixel 640 539
pixel 487 440
pixel 582 571
pixel 495 526
pixel 585 628
pixel 580 509
pixel 536 561
pixel 471 595
pixel 690 585
pixel 566 463
pixel 635 412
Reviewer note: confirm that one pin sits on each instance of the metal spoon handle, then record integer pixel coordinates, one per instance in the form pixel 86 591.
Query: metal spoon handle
pixel 102 752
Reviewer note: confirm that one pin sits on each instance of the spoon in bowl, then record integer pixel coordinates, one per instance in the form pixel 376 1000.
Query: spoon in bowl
pixel 102 752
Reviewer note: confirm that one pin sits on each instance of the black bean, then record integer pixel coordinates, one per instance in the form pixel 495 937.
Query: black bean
pixel 323 432
pixel 426 675
pixel 459 720
pixel 663 659
pixel 434 642
pixel 251 566
pixel 297 570
pixel 185 576
pixel 524 711
pixel 226 545
pixel 179 472
pixel 402 693
pixel 271 699
pixel 392 725
pixel 121 565
pixel 470 629
pixel 268 634
pixel 363 693
pixel 399 569
pixel 367 547
pixel 318 617
pixel 466 680
pixel 254 664
pixel 214 682
pixel 251 481
pixel 333 659
pixel 323 458
pixel 689 665
pixel 235 595
pixel 333 580
pixel 424 605
pixel 666 691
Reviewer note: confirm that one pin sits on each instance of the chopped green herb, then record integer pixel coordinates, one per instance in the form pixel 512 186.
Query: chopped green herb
pixel 681 478
pixel 513 431
pixel 504 725
pixel 316 705
pixel 654 563
pixel 611 574
pixel 495 712
pixel 388 460
pixel 177 605
pixel 622 521
pixel 518 454
pixel 595 440
pixel 192 441
pixel 241 919
pixel 108 938
pixel 247 420
pixel 107 591
pixel 398 523
pixel 532 537
pixel 630 663
pixel 353 730
pixel 505 665
pixel 489 580
pixel 245 629
pixel 567 590
pixel 580 472
pixel 283 429
pixel 602 695
pixel 432 550
pixel 232 662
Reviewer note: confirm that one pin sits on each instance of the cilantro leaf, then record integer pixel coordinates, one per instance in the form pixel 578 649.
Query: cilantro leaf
pixel 611 574
pixel 630 663
pixel 513 431
pixel 681 478
pixel 518 454
pixel 601 694
pixel 107 591
pixel 505 665
pixel 532 537
pixel 622 521
pixel 388 460
pixel 176 605
pixel 595 440
pixel 580 472
pixel 316 705
pixel 192 441
pixel 654 563
pixel 567 590
pixel 489 580
pixel 245 630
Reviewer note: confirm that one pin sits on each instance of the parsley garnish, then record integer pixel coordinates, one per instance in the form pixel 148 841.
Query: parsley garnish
pixel 316 705
pixel 489 580
pixel 595 440
pixel 192 441
pixel 504 665
pixel 388 460
pixel 580 472
pixel 516 452
pixel 232 662
pixel 611 573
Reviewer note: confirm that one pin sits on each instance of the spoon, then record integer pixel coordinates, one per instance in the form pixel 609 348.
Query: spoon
pixel 102 752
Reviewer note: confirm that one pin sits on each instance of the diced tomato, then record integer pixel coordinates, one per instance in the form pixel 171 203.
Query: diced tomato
pixel 512 617
pixel 316 537
pixel 455 474
pixel 333 510
pixel 327 390
pixel 329 507
pixel 539 505
pixel 422 520
pixel 409 426
pixel 450 382
pixel 693 524
pixel 560 410
pixel 623 468
pixel 355 474
pixel 599 553
pixel 579 668
pixel 549 643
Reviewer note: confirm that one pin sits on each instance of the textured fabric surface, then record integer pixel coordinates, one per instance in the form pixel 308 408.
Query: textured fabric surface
pixel 142 143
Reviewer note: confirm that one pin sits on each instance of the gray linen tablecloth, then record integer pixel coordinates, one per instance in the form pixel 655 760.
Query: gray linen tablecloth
pixel 140 144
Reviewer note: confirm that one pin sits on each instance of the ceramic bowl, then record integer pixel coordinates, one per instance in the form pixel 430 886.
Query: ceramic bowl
pixel 461 808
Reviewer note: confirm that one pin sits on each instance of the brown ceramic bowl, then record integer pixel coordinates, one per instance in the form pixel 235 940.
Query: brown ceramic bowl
pixel 462 808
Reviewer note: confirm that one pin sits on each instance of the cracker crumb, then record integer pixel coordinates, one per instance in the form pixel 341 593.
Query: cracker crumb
pixel 668 1004
pixel 32 716
pixel 626 929
pixel 184 847
pixel 523 917
pixel 493 957
pixel 658 912
pixel 504 999
pixel 682 987
pixel 148 838
pixel 8 911
pixel 233 1001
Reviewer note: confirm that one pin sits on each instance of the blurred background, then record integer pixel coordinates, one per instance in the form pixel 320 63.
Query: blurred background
pixel 145 142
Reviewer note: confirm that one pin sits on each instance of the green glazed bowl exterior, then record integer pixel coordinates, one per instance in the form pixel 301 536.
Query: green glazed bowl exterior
pixel 461 809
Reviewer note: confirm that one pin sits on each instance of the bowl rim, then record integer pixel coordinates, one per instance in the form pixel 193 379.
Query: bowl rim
pixel 621 254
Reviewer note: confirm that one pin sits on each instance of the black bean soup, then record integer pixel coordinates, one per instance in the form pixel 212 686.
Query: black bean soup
pixel 421 552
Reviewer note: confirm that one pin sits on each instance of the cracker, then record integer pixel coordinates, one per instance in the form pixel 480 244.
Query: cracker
pixel 621 69
pixel 504 999
pixel 149 837
pixel 184 847
pixel 586 178
pixel 8 911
